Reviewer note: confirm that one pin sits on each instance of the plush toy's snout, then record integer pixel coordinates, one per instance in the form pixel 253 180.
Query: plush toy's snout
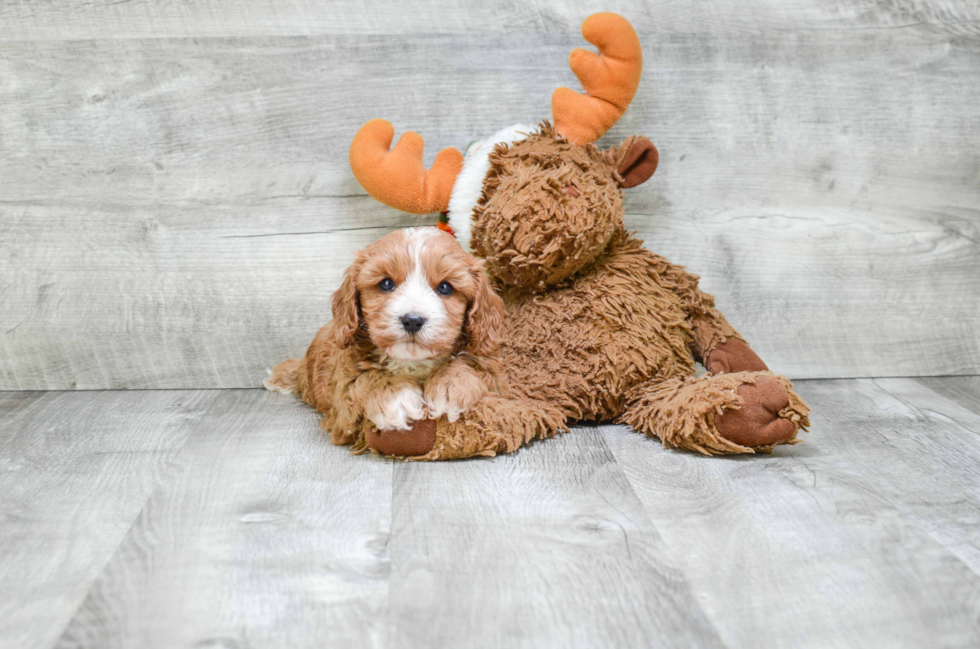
pixel 549 207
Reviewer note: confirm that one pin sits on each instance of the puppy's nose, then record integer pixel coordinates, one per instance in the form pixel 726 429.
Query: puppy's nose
pixel 412 322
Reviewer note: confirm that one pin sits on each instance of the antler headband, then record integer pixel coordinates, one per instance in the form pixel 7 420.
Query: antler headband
pixel 397 177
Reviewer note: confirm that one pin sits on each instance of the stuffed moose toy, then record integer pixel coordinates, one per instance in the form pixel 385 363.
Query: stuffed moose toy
pixel 596 327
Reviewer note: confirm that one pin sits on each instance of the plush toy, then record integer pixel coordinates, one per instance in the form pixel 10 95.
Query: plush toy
pixel 594 323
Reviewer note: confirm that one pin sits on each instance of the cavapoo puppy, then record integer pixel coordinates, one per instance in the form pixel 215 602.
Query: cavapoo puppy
pixel 414 336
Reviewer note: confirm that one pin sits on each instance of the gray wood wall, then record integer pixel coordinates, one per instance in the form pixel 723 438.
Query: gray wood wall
pixel 176 205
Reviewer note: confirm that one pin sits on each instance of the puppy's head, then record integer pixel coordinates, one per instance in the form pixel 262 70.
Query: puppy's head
pixel 416 294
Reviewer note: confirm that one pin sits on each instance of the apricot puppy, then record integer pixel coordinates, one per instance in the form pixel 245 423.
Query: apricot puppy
pixel 415 335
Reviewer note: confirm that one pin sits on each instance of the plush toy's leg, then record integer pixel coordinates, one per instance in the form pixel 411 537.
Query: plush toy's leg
pixel 494 425
pixel 742 412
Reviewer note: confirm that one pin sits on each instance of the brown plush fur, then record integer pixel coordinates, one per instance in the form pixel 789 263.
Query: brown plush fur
pixel 596 327
pixel 530 179
pixel 495 425
pixel 599 326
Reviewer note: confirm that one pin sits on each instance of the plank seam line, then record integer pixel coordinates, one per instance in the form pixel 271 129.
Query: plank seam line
pixel 924 23
pixel 122 539
pixel 929 410
pixel 648 519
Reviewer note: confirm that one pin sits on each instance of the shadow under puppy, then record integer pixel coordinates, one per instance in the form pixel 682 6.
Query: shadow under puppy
pixel 414 337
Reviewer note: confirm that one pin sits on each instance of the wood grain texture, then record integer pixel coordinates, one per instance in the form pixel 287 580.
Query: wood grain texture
pixel 863 535
pixel 257 532
pixel 175 212
pixel 546 548
pixel 74 474
pixel 964 390
pixel 261 534
pixel 101 19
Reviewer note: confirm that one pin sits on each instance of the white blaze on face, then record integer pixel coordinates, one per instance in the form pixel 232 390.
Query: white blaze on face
pixel 416 296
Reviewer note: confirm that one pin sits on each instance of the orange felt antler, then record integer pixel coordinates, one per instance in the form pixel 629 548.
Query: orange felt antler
pixel 397 177
pixel 610 79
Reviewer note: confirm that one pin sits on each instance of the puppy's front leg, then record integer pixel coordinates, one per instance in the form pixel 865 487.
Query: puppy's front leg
pixel 390 402
pixel 456 387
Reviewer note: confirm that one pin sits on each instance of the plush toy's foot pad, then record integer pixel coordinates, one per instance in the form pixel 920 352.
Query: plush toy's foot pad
pixel 419 440
pixel 757 422
pixel 734 355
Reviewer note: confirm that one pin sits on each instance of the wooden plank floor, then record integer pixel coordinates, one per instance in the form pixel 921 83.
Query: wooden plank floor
pixel 224 519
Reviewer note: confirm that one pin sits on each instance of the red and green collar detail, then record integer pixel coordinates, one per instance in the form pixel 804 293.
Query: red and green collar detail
pixel 443 223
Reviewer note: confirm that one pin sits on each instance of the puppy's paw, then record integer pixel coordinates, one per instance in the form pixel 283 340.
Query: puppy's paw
pixel 399 409
pixel 453 397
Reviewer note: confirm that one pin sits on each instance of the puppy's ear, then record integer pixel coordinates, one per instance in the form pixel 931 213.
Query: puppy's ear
pixel 347 308
pixel 483 317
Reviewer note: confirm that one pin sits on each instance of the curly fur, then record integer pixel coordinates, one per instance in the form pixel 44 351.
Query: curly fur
pixel 496 424
pixel 349 376
pixel 544 175
pixel 596 325
pixel 681 411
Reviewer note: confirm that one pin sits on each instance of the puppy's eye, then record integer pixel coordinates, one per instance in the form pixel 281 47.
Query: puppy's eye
pixel 387 284
pixel 444 288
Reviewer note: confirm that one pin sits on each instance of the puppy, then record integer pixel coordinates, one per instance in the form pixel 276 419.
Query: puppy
pixel 415 335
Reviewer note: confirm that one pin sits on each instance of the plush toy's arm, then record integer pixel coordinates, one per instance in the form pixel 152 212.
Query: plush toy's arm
pixel 715 343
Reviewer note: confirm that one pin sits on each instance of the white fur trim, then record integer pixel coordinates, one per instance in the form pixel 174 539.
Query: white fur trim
pixel 469 183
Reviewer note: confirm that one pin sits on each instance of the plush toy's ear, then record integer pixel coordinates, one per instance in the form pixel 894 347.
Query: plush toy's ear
pixel 634 161
pixel 347 308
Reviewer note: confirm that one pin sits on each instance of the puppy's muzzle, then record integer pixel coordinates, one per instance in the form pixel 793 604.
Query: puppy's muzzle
pixel 412 322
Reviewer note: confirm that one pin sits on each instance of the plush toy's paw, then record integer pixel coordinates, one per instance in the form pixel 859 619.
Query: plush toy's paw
pixel 418 440
pixel 733 355
pixel 452 397
pixel 758 422
pixel 398 409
